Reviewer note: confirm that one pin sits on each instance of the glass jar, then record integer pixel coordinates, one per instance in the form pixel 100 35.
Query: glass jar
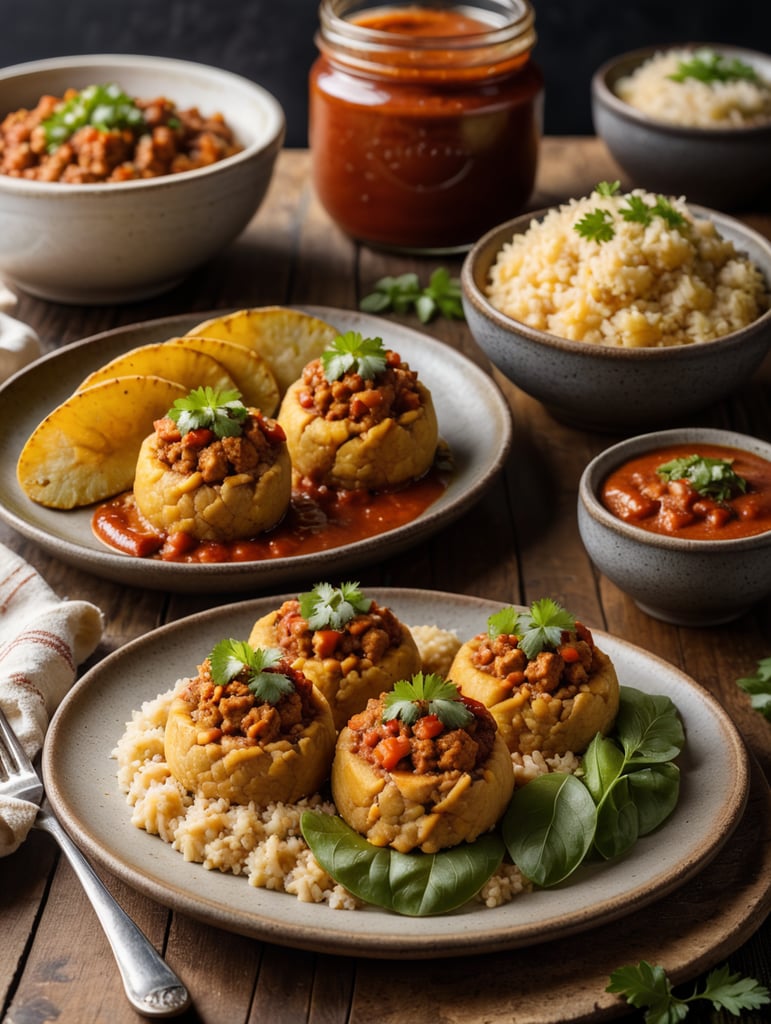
pixel 425 119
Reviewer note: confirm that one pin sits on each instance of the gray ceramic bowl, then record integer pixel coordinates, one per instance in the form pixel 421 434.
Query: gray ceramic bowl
pixel 608 389
pixel 105 243
pixel 686 582
pixel 723 168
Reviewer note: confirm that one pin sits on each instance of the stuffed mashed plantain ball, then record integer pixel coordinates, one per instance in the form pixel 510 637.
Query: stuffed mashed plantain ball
pixel 213 469
pixel 547 684
pixel 359 418
pixel 249 727
pixel 348 645
pixel 422 767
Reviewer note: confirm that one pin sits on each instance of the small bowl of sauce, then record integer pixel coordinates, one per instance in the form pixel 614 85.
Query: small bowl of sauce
pixel 425 121
pixel 681 521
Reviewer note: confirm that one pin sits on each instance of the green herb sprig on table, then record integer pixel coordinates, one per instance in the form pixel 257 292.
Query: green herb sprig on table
pixel 758 686
pixel 328 607
pixel 351 352
pixel 713 478
pixel 222 412
pixel 648 988
pixel 628 788
pixel 105 107
pixel 229 658
pixel 442 296
pixel 709 67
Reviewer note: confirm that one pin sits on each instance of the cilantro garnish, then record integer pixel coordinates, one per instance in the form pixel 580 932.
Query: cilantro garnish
pixel 230 657
pixel 648 987
pixel 105 107
pixel 597 226
pixel 713 478
pixel 328 607
pixel 223 412
pixel 537 629
pixel 708 66
pixel 352 352
pixel 607 188
pixel 442 295
pixel 638 210
pixel 427 695
pixel 758 686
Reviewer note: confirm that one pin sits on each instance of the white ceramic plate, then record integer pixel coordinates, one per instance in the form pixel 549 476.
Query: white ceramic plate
pixel 474 420
pixel 81 784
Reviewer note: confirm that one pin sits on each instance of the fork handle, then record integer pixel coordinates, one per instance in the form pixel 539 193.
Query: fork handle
pixel 152 988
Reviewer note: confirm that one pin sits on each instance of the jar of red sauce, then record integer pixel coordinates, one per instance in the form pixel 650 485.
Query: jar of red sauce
pixel 425 119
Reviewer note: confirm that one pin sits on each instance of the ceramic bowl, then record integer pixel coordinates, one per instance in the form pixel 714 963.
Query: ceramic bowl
pixel 726 168
pixel 105 243
pixel 686 582
pixel 613 389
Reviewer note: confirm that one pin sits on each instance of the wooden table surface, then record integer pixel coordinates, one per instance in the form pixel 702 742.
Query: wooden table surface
pixel 519 543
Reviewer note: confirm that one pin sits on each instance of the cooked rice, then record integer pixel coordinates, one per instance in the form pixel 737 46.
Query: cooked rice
pixel 693 103
pixel 648 286
pixel 265 844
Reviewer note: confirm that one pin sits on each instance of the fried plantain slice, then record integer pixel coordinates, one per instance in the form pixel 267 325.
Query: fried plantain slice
pixel 250 371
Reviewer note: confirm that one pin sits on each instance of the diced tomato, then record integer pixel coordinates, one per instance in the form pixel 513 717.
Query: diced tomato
pixel 325 641
pixel 569 653
pixel 199 438
pixel 427 727
pixel 391 750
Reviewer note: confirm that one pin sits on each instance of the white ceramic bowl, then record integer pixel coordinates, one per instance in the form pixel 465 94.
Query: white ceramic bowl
pixel 686 582
pixel 607 389
pixel 726 168
pixel 105 243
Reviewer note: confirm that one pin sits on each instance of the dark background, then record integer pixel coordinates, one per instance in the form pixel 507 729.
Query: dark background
pixel 271 41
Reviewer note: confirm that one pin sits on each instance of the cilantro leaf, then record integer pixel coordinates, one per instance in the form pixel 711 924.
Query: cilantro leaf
pixel 607 188
pixel 758 686
pixel 105 107
pixel 504 622
pixel 230 657
pixel 664 209
pixel 637 210
pixel 713 478
pixel 596 226
pixel 328 607
pixel 543 626
pixel 427 695
pixel 350 352
pixel 648 987
pixel 442 295
pixel 223 412
pixel 709 67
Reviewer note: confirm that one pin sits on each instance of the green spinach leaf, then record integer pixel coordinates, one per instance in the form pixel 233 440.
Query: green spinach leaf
pixel 414 884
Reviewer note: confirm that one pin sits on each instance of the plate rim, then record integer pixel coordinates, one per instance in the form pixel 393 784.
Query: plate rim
pixel 441 940
pixel 238 576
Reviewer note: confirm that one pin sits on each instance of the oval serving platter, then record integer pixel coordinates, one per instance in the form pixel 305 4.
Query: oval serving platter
pixel 474 420
pixel 81 783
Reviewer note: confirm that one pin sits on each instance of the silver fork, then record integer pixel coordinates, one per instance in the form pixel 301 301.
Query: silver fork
pixel 152 988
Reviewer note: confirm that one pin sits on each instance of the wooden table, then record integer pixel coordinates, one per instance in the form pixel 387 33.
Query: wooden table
pixel 519 543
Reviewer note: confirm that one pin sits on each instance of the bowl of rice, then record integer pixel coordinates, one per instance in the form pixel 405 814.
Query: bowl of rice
pixel 620 310
pixel 689 120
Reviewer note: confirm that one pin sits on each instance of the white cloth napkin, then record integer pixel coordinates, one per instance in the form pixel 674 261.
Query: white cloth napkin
pixel 19 344
pixel 43 639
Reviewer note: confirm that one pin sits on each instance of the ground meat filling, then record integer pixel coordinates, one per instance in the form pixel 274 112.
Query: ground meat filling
pixel 363 402
pixel 252 453
pixel 426 747
pixel 362 642
pixel 233 716
pixel 560 673
pixel 172 141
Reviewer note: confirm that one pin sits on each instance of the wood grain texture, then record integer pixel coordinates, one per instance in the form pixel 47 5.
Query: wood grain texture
pixel 519 543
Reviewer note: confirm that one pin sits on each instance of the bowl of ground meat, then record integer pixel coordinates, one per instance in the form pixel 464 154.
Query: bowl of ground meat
pixel 121 174
pixel 689 120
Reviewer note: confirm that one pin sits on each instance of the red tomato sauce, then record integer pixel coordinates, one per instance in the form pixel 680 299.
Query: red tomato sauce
pixel 636 494
pixel 425 151
pixel 317 520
